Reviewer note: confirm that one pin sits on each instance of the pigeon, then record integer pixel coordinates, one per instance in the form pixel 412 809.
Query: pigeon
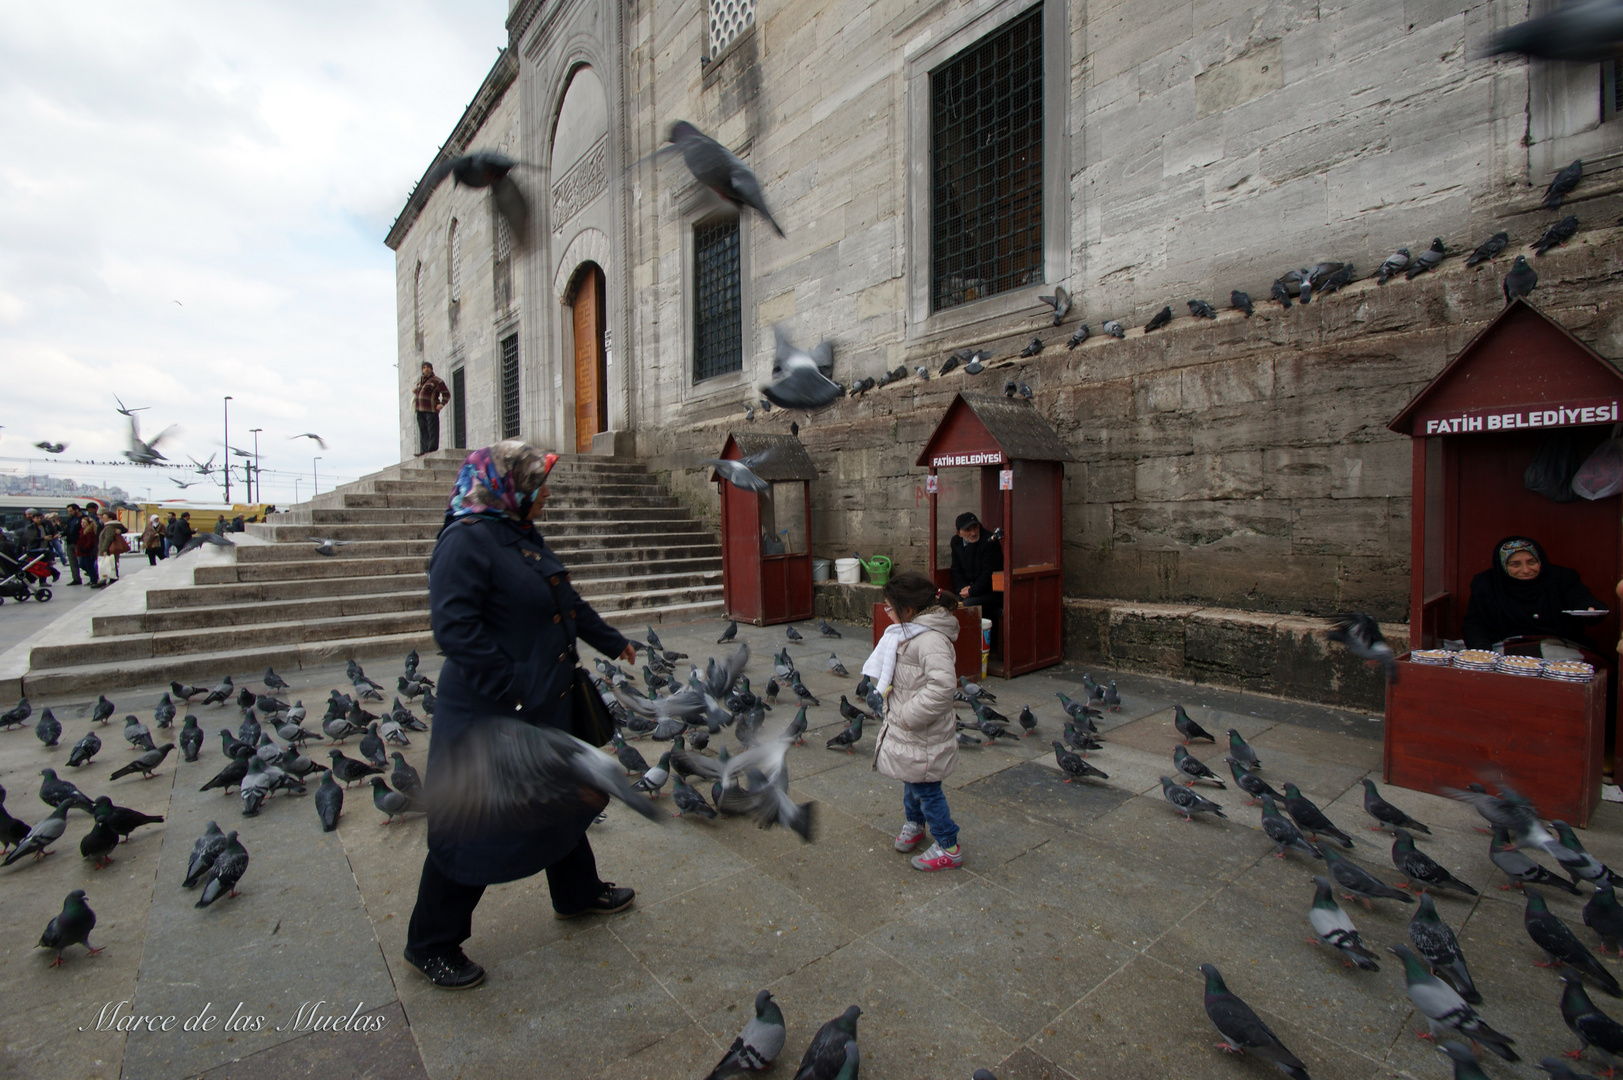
pixel 1337 280
pixel 103 710
pixel 630 758
pixel 953 361
pixel 1240 301
pixel 1186 802
pixel 145 452
pixel 1361 634
pixel 798 378
pixel 1028 721
pixel 1303 280
pixel 1335 928
pixel 1285 835
pixel 49 729
pixel 1594 1028
pixel 216 696
pixel 1559 1070
pixel 404 777
pixel 204 852
pixel 184 692
pixel 1604 915
pixel 1279 292
pixel 54 792
pixel 1311 818
pixel 1561 945
pixel 1192 768
pixel 848 738
pixel 1201 309
pixel 837 668
pixel 1418 867
pixel 1060 302
pixel 12 831
pixel 1250 783
pixel 1360 882
pixel 792 634
pixel 506 211
pixel 191 738
pixel 203 538
pixel 1436 942
pixel 1587 31
pixel 98 844
pixel 802 693
pixel 1188 728
pixel 41 836
pixel 15 716
pixel 1241 750
pixel 274 681
pixel 1521 280
pixel 85 749
pixel 1509 811
pixel 389 802
pixel 1392 265
pixel 224 872
pixel 653 779
pixel 825 1058
pixel 720 170
pixel 1443 1007
pixel 163 714
pixel 1083 332
pixel 1568 178
pixel 1578 863
pixel 728 634
pixel 326 546
pixel 72 927
pixel 1426 260
pixel 1160 319
pixel 1556 234
pixel 796 730
pixel 1072 765
pixel 51 447
pixel 1385 813
pixel 329 802
pixel 146 763
pixel 1033 347
pixel 688 800
pixel 1520 869
pixel 372 747
pixel 480 169
pixel 741 472
pixel 136 733
pixel 348 769
pixel 758 1045
pixel 1243 1030
pixel 1489 249
pixel 1114 328
pixel 977 363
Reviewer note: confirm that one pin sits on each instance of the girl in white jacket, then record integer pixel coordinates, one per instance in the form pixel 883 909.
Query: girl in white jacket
pixel 913 668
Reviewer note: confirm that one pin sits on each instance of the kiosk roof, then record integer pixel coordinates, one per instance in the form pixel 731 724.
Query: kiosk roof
pixel 987 429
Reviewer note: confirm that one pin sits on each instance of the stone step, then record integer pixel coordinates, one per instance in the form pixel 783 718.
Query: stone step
pixel 197 617
pixel 636 524
pixel 176 643
pixel 315 569
pixel 254 592
pixel 582 508
pixel 369 549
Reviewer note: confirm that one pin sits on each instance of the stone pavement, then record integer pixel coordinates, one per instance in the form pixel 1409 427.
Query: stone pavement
pixel 1066 946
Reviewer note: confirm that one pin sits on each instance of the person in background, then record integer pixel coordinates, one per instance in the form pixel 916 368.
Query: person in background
pixel 109 542
pixel 429 396
pixel 180 532
pixel 53 540
pixel 70 541
pixel 84 549
pixel 237 524
pixel 1525 595
pixel 152 540
pixel 913 667
pixel 168 530
pixel 219 525
pixel 975 558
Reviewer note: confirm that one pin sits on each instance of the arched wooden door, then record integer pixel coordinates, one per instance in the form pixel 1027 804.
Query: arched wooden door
pixel 591 376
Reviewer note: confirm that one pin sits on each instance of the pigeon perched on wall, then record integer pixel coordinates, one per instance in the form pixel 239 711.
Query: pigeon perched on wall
pixel 1278 291
pixel 720 170
pixel 1201 309
pixel 1393 265
pixel 1114 328
pixel 1521 280
pixel 1240 301
pixel 1082 334
pixel 1160 319
pixel 1033 347
pixel 1337 280
pixel 1243 1030
pixel 1489 249
pixel 1426 260
pixel 1556 234
pixel 1060 302
pixel 1567 179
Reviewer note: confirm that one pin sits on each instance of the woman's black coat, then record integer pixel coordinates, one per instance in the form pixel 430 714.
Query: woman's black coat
pixel 508 651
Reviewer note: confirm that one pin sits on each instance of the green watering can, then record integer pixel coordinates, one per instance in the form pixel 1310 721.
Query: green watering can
pixel 878 567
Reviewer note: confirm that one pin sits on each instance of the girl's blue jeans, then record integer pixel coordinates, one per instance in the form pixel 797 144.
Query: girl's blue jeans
pixel 926 804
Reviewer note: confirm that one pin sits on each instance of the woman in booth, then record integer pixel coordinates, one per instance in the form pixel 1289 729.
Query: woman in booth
pixel 1526 595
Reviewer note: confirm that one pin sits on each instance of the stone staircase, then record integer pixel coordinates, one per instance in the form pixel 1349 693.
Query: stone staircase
pixel 635 553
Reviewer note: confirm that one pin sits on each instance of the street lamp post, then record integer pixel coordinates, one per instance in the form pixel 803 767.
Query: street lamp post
pixel 256 483
pixel 228 449
pixel 315 478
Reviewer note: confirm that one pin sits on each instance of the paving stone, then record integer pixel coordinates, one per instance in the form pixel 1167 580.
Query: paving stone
pixel 1042 793
pixel 386 1054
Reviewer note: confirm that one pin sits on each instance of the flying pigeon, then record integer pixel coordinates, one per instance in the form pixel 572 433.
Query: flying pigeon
pixel 1243 1030
pixel 1587 31
pixel 741 472
pixel 1335 928
pixel 798 379
pixel 319 441
pixel 485 169
pixel 1361 634
pixel 720 170
pixel 1060 302
pixel 977 363
pixel 52 447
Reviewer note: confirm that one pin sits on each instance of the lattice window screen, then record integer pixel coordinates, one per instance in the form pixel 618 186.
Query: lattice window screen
pixel 718 336
pixel 1611 90
pixel 510 417
pixel 501 264
pixel 728 19
pixel 455 279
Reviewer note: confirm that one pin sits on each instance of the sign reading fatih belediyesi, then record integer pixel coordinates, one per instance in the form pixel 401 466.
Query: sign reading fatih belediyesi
pixel 990 457
pixel 1562 414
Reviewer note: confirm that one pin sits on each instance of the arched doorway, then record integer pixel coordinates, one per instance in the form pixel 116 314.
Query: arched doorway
pixel 591 374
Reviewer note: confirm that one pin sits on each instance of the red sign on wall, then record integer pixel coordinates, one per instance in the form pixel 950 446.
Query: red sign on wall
pixel 1562 414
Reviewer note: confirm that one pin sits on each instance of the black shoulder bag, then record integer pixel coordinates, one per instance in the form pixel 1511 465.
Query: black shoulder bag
pixel 590 720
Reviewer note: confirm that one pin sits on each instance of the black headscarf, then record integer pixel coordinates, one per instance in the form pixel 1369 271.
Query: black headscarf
pixel 1502 606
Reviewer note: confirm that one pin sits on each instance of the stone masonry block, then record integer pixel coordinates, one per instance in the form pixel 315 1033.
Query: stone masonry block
pixel 1253 73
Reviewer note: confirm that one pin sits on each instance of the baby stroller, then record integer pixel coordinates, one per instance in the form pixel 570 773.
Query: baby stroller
pixel 25 576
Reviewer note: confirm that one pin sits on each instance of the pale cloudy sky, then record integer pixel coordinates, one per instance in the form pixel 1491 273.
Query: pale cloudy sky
pixel 244 159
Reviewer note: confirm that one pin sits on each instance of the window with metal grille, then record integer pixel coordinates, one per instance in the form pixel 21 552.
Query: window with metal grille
pixel 718 341
pixel 728 19
pixel 501 259
pixel 417 306
pixel 459 408
pixel 453 270
pixel 510 387
pixel 1611 89
pixel 986 166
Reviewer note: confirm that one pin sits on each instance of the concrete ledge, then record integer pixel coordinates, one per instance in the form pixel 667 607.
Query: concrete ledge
pixel 1261 652
pixel 613 444
pixel 851 604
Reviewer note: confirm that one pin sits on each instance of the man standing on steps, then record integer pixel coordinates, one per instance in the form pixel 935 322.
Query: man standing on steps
pixel 430 396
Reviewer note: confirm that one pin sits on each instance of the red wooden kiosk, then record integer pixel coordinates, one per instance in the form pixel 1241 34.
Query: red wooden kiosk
pixel 766 572
pixel 1475 428
pixel 1021 461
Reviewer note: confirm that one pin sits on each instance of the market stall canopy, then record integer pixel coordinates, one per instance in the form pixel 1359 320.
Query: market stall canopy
pixel 1523 371
pixel 981 429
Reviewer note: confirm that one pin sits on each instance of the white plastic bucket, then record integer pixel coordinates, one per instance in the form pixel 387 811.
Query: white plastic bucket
pixel 848 571
pixel 822 569
pixel 986 645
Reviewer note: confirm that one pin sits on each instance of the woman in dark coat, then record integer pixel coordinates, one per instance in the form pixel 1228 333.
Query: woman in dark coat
pixel 1524 594
pixel 506 618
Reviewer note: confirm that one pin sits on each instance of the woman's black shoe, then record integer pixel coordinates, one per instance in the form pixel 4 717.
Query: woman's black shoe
pixel 607 902
pixel 451 972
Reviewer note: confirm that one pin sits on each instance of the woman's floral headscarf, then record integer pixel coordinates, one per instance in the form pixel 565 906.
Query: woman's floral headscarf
pixel 500 481
pixel 1512 546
